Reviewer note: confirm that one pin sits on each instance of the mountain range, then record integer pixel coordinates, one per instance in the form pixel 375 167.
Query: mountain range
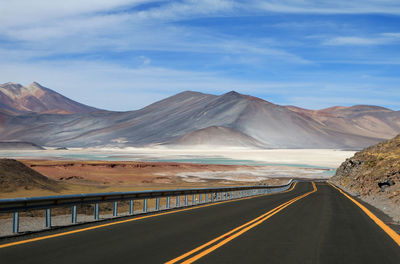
pixel 42 116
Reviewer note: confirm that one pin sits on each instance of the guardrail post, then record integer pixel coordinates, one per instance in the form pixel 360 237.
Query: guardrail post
pixel 73 214
pixel 194 199
pixel 186 200
pixel 145 205
pixel 131 207
pixel 96 211
pixel 115 209
pixel 168 201
pixel 178 201
pixel 15 222
pixel 48 218
pixel 157 204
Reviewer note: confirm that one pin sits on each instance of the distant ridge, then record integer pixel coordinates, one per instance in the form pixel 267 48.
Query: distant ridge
pixel 34 98
pixel 194 119
pixel 19 145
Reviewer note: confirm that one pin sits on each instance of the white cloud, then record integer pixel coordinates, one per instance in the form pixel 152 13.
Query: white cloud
pixel 330 7
pixel 381 39
pixel 27 12
pixel 352 41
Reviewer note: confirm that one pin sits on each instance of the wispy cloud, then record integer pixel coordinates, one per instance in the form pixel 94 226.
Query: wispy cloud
pixel 383 38
pixel 330 7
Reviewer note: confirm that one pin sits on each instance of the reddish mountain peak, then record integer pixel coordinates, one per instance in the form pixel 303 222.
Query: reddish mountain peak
pixel 369 107
pixel 36 98
pixel 234 94
pixel 10 85
pixel 333 108
pixel 35 85
pixel 354 108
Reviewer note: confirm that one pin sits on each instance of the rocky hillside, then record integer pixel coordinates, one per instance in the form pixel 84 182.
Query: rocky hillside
pixel 15 175
pixel 374 174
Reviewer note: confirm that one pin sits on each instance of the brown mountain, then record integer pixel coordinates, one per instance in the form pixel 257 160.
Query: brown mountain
pixel 15 175
pixel 193 118
pixel 18 99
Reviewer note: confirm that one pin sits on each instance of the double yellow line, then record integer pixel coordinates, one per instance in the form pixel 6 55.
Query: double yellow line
pixel 234 233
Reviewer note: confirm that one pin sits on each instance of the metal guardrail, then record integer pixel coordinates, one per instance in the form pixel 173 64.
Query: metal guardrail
pixel 202 195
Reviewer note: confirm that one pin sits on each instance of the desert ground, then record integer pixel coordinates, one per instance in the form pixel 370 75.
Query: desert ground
pixel 132 169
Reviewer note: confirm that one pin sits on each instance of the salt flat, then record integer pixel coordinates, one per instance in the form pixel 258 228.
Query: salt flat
pixel 329 158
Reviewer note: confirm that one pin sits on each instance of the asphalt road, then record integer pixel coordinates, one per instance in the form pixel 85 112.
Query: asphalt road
pixel 321 226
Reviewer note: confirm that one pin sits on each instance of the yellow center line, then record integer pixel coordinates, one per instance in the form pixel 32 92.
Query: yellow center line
pixel 387 229
pixel 130 220
pixel 245 227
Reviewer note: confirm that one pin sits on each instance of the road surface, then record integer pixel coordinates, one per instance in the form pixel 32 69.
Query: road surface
pixel 309 224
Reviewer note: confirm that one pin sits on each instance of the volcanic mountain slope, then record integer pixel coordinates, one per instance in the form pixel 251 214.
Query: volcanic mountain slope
pixel 217 136
pixel 18 99
pixel 246 120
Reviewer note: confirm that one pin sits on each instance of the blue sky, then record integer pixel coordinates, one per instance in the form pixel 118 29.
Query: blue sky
pixel 125 54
